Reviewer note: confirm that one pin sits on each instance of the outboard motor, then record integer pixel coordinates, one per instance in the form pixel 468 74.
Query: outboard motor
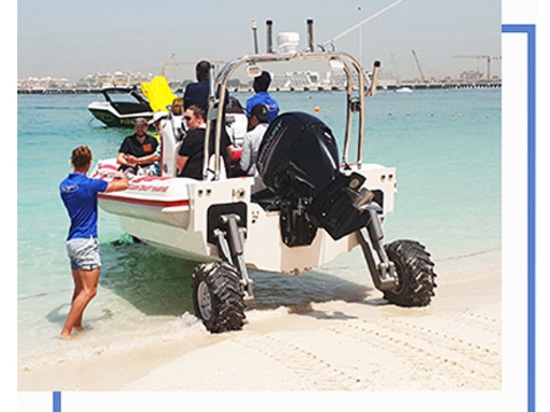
pixel 298 162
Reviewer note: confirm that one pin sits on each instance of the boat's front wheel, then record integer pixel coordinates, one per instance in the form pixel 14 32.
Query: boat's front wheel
pixel 218 296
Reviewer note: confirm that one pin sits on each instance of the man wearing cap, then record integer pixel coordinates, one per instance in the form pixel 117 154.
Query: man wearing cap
pixel 262 96
pixel 137 150
pixel 257 125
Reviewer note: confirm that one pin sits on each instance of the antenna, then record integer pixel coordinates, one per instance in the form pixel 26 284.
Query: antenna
pixel 369 18
pixel 269 26
pixel 360 37
pixel 309 23
pixel 255 34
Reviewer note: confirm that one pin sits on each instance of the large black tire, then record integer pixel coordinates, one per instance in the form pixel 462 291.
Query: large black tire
pixel 218 297
pixel 415 270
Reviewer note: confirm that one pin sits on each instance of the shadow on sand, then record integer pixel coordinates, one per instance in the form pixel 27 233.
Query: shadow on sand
pixel 157 284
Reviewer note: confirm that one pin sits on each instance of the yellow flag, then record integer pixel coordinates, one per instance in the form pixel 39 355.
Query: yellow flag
pixel 158 93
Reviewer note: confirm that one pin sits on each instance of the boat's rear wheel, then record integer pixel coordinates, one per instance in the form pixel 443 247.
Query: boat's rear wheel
pixel 218 297
pixel 415 271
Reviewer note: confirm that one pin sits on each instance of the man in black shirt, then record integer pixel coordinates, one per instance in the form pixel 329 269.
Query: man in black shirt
pixel 137 150
pixel 190 158
pixel 191 152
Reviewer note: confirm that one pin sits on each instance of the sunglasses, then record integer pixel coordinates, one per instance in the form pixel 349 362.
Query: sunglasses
pixel 188 118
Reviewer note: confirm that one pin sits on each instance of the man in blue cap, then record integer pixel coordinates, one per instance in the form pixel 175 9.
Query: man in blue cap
pixel 262 96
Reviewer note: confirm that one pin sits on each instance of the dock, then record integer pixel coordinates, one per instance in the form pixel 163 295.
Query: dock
pixel 319 88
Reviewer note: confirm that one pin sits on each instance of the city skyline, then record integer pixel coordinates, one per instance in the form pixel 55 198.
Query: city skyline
pixel 62 40
pixel 281 82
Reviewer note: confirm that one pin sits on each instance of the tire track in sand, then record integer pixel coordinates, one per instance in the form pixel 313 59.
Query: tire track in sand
pixel 474 346
pixel 437 359
pixel 311 367
pixel 483 323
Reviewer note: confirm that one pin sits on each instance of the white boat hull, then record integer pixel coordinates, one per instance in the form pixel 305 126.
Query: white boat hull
pixel 105 113
pixel 171 214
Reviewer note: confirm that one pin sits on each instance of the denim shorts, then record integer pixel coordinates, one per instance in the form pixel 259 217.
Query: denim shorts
pixel 84 253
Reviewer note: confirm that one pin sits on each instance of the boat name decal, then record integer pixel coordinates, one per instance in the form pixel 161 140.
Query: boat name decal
pixel 149 179
pixel 148 188
pixel 137 184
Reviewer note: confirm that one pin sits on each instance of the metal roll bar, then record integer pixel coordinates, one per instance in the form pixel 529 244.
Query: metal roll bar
pixel 218 94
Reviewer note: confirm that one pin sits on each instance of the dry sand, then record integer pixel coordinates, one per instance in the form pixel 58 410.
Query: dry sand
pixel 453 344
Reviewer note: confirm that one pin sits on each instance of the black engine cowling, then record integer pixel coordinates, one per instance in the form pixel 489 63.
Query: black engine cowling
pixel 298 162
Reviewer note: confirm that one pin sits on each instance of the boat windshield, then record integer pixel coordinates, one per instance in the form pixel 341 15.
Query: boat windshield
pixel 123 95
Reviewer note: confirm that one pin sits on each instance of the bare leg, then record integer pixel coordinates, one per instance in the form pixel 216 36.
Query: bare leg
pixel 87 281
pixel 77 290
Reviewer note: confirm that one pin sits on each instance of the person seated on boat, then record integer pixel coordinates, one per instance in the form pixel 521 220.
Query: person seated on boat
pixel 189 162
pixel 257 125
pixel 190 158
pixel 197 93
pixel 137 152
pixel 262 96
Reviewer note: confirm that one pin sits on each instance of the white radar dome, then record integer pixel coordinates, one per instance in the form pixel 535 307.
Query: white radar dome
pixel 288 42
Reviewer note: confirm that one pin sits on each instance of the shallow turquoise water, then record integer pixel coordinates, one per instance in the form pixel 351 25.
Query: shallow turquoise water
pixel 445 145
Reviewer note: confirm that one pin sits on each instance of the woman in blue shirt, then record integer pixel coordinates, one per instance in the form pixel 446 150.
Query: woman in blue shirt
pixel 79 195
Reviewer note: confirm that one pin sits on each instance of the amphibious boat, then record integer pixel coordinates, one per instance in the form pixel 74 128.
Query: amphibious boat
pixel 308 203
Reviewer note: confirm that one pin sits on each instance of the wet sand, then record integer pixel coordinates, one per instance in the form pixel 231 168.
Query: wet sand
pixel 454 344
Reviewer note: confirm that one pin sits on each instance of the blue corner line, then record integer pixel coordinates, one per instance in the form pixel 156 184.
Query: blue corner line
pixel 57 402
pixel 530 30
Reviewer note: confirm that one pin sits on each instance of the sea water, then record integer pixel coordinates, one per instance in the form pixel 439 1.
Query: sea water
pixel 445 145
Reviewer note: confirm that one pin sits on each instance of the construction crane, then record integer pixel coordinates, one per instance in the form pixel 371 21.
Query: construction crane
pixel 165 70
pixel 418 65
pixel 484 57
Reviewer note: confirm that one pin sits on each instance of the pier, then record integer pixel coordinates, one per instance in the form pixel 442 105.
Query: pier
pixel 318 88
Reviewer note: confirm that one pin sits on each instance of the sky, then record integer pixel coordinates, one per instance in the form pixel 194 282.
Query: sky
pixel 72 39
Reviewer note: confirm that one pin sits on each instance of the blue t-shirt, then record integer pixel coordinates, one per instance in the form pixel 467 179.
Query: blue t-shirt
pixel 79 195
pixel 265 99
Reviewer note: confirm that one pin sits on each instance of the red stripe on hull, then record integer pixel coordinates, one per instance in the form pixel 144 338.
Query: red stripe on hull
pixel 144 202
